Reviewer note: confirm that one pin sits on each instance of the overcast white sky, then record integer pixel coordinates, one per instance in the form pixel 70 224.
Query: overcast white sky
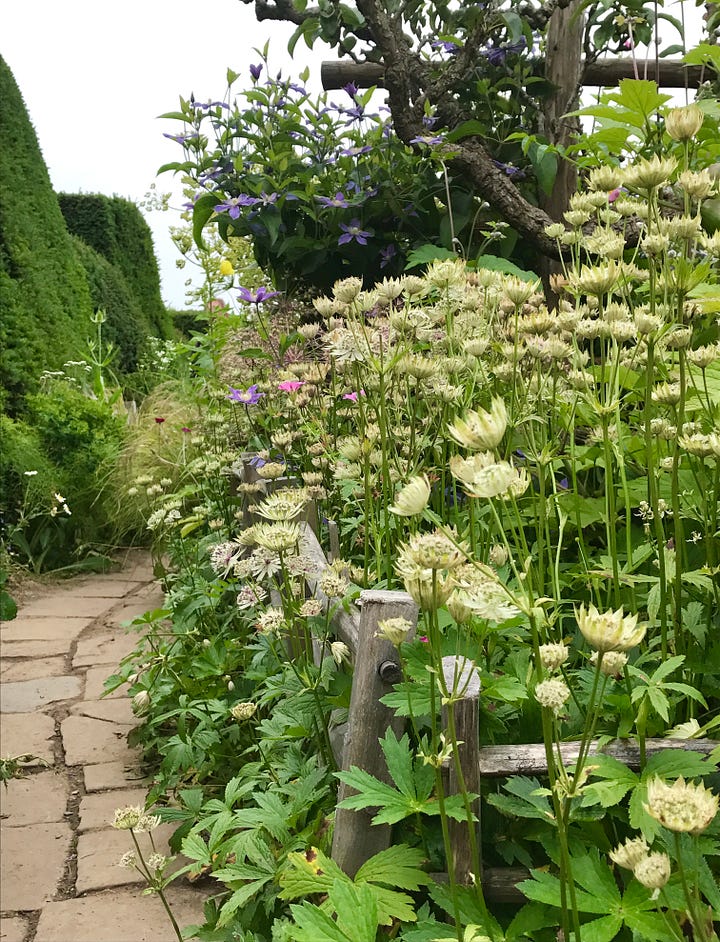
pixel 95 76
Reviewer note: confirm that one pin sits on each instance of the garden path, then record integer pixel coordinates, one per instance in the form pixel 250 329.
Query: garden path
pixel 59 874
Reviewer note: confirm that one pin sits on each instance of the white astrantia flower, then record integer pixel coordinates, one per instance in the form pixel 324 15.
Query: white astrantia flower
pixel 609 631
pixel 413 497
pixel 682 806
pixel 481 430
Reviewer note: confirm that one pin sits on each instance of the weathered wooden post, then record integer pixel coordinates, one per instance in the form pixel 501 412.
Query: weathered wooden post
pixel 377 667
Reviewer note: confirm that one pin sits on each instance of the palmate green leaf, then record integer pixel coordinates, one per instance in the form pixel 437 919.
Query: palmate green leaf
pixel 357 911
pixel 194 847
pixel 604 929
pixel 617 780
pixel 398 866
pixel 545 888
pixel 313 925
pixel 594 875
pixel 371 793
pixel 525 799
pixel 411 776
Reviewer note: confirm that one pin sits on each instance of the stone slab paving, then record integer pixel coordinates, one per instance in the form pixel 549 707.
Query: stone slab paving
pixel 109 647
pixel 47 628
pixel 99 853
pixel 27 733
pixel 35 799
pixel 33 649
pixel 105 775
pixel 95 678
pixel 13 929
pixel 14 669
pixel 32 863
pixel 119 916
pixel 118 710
pixel 24 696
pixel 58 852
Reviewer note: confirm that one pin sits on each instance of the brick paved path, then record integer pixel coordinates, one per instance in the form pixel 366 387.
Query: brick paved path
pixel 59 879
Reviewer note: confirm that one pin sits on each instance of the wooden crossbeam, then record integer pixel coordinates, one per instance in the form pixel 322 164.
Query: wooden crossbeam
pixel 668 73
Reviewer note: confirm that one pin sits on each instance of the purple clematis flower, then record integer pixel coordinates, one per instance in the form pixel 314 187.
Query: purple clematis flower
pixel 427 139
pixel 445 45
pixel 355 151
pixel 248 397
pixel 255 71
pixel 496 55
pixel 510 170
pixel 182 138
pixel 337 201
pixel 232 205
pixel 351 89
pixel 256 297
pixel 353 231
pixel 387 255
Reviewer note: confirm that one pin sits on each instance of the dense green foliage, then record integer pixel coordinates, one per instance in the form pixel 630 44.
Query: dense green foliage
pixel 44 296
pixel 54 469
pixel 115 228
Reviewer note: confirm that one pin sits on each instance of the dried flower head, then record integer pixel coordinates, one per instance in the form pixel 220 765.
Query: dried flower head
pixel 681 806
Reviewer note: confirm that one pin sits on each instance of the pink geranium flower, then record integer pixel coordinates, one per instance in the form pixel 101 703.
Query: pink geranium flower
pixel 290 385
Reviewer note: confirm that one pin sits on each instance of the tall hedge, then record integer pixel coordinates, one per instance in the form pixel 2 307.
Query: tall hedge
pixel 44 298
pixel 115 228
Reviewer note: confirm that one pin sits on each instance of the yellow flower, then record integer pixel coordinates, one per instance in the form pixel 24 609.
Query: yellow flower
pixel 609 631
pixel 226 267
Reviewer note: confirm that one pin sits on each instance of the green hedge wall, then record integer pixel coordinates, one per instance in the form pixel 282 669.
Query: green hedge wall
pixel 44 296
pixel 115 228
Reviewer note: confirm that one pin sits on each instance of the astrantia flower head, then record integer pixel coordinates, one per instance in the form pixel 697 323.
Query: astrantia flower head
pixel 284 504
pixel 681 806
pixel 413 497
pixel 243 711
pixel 552 694
pixel 432 551
pixel 482 476
pixel 128 817
pixel 394 630
pixel 612 664
pixel 479 588
pixel 277 537
pixel 609 631
pixel 481 430
pixel 552 656
pixel 650 174
pixel 629 854
pixel 653 871
pixel 682 124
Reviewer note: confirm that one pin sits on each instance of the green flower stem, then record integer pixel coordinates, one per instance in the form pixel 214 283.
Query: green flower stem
pixel 650 461
pixel 698 923
pixel 157 889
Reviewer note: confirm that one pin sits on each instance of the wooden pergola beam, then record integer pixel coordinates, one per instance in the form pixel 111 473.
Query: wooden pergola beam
pixel 669 73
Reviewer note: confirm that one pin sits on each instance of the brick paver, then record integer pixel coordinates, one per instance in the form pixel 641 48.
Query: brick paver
pixel 54 659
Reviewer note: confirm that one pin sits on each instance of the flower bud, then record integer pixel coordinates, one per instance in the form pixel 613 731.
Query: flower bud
pixel 682 124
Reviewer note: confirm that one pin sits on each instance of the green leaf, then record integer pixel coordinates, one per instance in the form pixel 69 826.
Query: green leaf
pixel 398 866
pixel 203 209
pixel 426 254
pixel 594 875
pixel 495 263
pixel 313 925
pixel 704 54
pixel 194 847
pixel 602 930
pixel 357 912
pixel 545 888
